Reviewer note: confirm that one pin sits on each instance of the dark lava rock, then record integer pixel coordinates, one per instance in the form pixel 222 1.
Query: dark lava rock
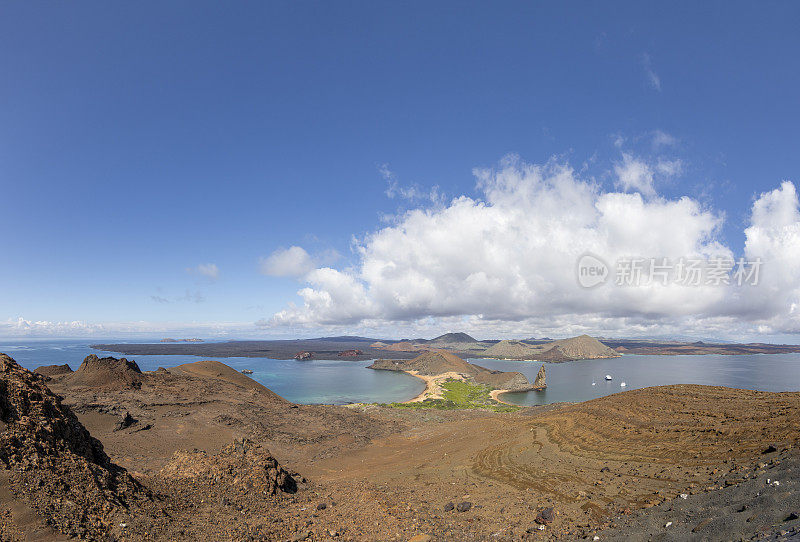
pixel 770 449
pixel 126 421
pixel 464 506
pixel 322 506
pixel 449 506
pixel 792 516
pixel 545 516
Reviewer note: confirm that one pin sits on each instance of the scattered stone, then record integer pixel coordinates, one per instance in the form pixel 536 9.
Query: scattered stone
pixel 702 524
pixel 669 523
pixel 464 506
pixel 545 516
pixel 605 469
pixel 770 449
pixel 322 506
pixel 301 536
pixel 684 496
pixel 449 506
pixel 792 516
pixel 421 538
pixel 126 421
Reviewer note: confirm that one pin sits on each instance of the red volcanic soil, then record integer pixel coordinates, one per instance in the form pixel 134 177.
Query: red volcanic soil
pixel 210 456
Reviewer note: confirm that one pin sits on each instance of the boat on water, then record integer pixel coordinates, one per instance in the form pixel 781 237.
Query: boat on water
pixel 622 385
pixel 608 377
pixel 247 371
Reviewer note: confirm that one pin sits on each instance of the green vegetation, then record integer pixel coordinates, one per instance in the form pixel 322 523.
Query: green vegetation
pixel 458 394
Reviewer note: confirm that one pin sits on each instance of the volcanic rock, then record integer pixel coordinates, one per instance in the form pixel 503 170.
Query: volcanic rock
pixel 545 516
pixel 53 370
pixel 540 382
pixel 240 468
pixel 126 421
pixel 54 464
pixel 107 372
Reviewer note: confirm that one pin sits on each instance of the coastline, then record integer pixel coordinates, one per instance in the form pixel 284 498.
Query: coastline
pixel 495 394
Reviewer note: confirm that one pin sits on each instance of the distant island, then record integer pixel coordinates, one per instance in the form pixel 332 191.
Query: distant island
pixel 365 348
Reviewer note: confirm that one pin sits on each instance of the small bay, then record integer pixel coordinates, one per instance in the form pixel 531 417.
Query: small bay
pixel 572 381
pixel 341 381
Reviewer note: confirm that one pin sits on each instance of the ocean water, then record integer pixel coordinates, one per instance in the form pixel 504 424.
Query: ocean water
pixel 340 381
pixel 572 381
pixel 308 382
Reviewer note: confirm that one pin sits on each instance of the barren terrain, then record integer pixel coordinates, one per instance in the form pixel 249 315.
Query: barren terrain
pixel 377 473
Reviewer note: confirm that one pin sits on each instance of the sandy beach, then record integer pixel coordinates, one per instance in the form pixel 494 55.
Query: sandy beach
pixel 433 385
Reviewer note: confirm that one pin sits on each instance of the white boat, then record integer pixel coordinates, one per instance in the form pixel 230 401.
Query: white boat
pixel 594 383
pixel 608 377
pixel 622 384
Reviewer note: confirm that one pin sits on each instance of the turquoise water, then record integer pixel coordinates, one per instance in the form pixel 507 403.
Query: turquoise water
pixel 308 382
pixel 341 381
pixel 572 381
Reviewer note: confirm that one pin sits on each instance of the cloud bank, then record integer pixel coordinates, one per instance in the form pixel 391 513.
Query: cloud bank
pixel 21 327
pixel 507 259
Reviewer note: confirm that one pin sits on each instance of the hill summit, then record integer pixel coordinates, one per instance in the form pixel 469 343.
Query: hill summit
pixel 449 338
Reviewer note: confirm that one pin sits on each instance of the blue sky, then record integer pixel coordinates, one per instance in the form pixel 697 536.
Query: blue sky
pixel 138 141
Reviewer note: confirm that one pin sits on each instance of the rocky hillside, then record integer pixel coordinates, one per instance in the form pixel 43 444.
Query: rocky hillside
pixel 429 363
pixel 54 465
pixel 240 468
pixel 508 349
pixel 434 363
pixel 217 371
pixel 53 370
pixel 584 347
pixel 575 348
pixel 106 372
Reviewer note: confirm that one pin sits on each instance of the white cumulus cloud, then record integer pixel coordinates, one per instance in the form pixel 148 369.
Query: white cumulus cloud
pixel 510 256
